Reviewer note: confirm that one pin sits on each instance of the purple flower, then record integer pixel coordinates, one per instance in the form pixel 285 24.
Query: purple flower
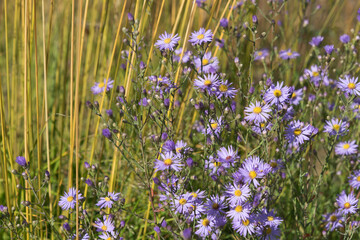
pixel 130 17
pixel 315 41
pixel 296 96
pixel 182 203
pixel 108 201
pixel 225 90
pixel 89 182
pixel 69 199
pixel 334 220
pixel 104 226
pixel 245 227
pixel 207 64
pixel 224 23
pixel 144 102
pixel 67 227
pixel 169 162
pixel 21 161
pixel 257 113
pixel 227 156
pixel 345 38
pixel 201 36
pixel 239 212
pixel 208 82
pixel 329 49
pixel 237 194
pixel 314 73
pixel 253 168
pixel 187 233
pixel 107 133
pixel 277 95
pixel 297 132
pixel 167 41
pixel 261 54
pixel 268 232
pixel 287 54
pixel 100 87
pixel 349 85
pixel 336 127
pixel 215 205
pixel 347 203
pixel 354 179
pixel 205 226
pixel 346 148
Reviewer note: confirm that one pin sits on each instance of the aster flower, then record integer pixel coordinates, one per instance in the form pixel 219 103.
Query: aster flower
pixel 100 87
pixel 257 113
pixel 215 205
pixel 297 132
pixel 108 201
pixel 207 64
pixel 214 127
pixel 21 161
pixel 181 148
pixel 208 82
pixel 354 179
pixel 335 127
pixel 197 209
pixel 329 49
pixel 262 128
pixel 245 227
pixel 104 226
pixel 167 41
pixel 201 36
pixel 251 170
pixel 349 85
pixel 277 95
pixel 287 54
pixel 345 38
pixel 268 232
pixel 276 165
pixel 227 155
pixel 109 235
pixel 314 73
pixel 334 220
pixel 347 203
pixel 315 41
pixel 261 54
pixel 215 166
pixel 198 195
pixel 205 226
pixel 239 212
pixel 169 162
pixel 346 148
pixel 69 199
pixel 237 194
pixel 225 90
pixel 269 218
pixel 182 203
pixel 296 96
pixel 185 58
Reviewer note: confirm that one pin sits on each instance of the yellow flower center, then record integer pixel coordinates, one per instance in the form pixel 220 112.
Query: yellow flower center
pixel 333 218
pixel 70 198
pixel 257 110
pixel 297 131
pixel 262 125
pixel 289 53
pixel 205 62
pixel 194 195
pixel 214 125
pixel 109 238
pixel 347 205
pixel 293 95
pixel 104 228
pixel 215 206
pixel 160 79
pixel 217 164
pixel 351 85
pixel 182 201
pixel 200 36
pixel 205 222
pixel 178 149
pixel 194 207
pixel 336 127
pixel 273 164
pixel 223 88
pixel 252 174
pixel 346 146
pixel 238 193
pixel 107 199
pixel 270 218
pixel 358 178
pixel 168 161
pixel 246 222
pixel 207 82
pixel 260 53
pixel 101 85
pixel 315 74
pixel 238 208
pixel 167 40
pixel 277 93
